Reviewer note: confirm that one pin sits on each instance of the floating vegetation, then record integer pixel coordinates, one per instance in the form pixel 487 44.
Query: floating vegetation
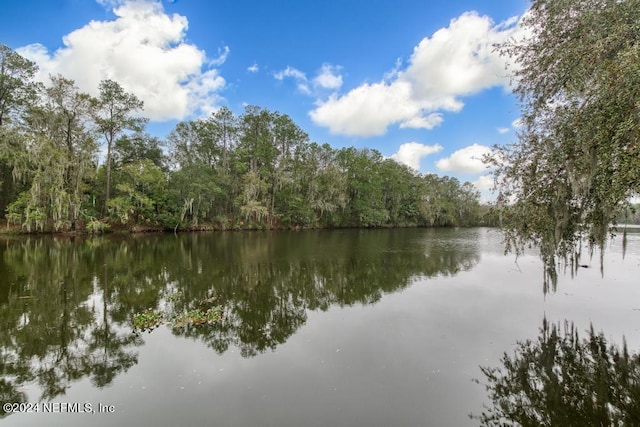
pixel 174 297
pixel 150 319
pixel 198 316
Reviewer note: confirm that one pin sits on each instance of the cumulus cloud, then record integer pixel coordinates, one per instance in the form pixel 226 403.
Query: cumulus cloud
pixel 428 122
pixel 465 160
pixel 502 131
pixel 253 68
pixel 411 153
pixel 329 77
pixel 454 62
pixel 484 184
pixel 144 50
pixel 368 109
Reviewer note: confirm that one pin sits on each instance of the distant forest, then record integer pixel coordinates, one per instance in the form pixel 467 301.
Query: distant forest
pixel 631 215
pixel 69 161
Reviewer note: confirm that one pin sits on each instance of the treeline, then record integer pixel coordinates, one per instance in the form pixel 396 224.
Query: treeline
pixel 630 215
pixel 70 161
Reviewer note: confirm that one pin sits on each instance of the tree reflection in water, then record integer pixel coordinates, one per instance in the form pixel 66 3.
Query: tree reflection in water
pixel 562 380
pixel 67 305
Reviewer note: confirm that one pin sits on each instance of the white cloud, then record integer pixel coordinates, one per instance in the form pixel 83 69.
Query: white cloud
pixel 328 77
pixel 395 71
pixel 202 92
pixel 429 122
pixel 366 110
pixel 290 72
pixel 253 68
pixel 411 153
pixel 455 61
pixel 144 50
pixel 484 182
pixel 465 160
pixel 297 75
pixel 502 131
pixel 460 59
pixel 222 57
pixel 517 123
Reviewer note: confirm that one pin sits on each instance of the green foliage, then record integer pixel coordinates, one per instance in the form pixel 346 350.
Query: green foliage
pixel 194 188
pixel 96 226
pixel 198 316
pixel 256 170
pixel 17 89
pixel 147 320
pixel 577 161
pixel 28 216
pixel 139 146
pixel 113 114
pixel 142 185
pixel 59 157
pixel 561 380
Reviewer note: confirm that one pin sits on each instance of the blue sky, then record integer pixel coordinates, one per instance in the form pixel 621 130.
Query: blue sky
pixel 416 80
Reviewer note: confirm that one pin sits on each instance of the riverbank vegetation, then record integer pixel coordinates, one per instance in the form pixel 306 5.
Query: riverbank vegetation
pixel 69 161
pixel 576 164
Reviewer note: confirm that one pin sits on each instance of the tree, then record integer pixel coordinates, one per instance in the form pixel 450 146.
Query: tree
pixel 288 138
pixel 225 132
pixel 577 160
pixel 258 153
pixel 365 187
pixel 399 193
pixel 195 186
pixel 17 89
pixel 60 158
pixel 18 92
pixel 201 151
pixel 141 188
pixel 326 184
pixel 139 146
pixel 113 115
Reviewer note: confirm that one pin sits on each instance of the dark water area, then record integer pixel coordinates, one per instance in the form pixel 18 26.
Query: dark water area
pixel 319 328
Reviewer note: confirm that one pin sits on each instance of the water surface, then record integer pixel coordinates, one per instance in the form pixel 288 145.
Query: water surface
pixel 345 327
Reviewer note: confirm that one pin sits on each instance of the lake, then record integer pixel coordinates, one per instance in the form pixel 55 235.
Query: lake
pixel 319 328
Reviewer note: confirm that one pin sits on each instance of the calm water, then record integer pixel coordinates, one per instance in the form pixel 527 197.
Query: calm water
pixel 321 328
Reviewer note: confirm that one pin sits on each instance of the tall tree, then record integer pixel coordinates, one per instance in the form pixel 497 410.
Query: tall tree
pixel 17 89
pixel 577 160
pixel 61 157
pixel 114 114
pixel 288 139
pixel 18 92
pixel 258 153
pixel 225 132
pixel 139 146
pixel 366 204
